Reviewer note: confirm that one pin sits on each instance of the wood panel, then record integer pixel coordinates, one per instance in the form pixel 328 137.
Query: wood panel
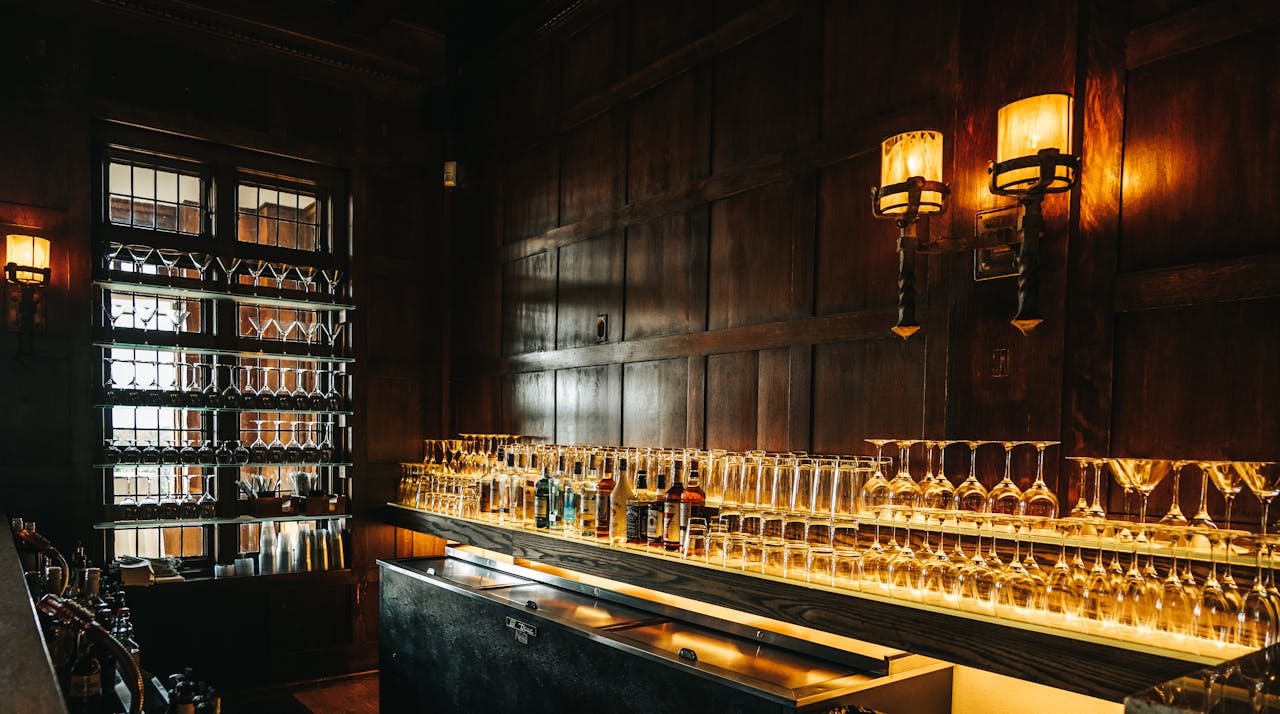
pixel 752 236
pixel 589 405
pixel 666 136
pixel 869 389
pixel 773 399
pixel 732 398
pixel 654 406
pixel 659 27
pixel 395 424
pixel 593 58
pixel 590 284
pixel 533 192
pixel 592 179
pixel 528 304
pixel 871 76
pixel 1197 182
pixel 528 405
pixel 856 264
pixel 759 80
pixel 1199 382
pixel 666 275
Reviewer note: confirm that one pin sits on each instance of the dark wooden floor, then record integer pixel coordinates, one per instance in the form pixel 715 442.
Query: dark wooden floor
pixel 357 694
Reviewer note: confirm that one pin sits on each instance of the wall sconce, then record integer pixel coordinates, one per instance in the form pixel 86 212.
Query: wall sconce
pixel 1032 160
pixel 26 271
pixel 450 174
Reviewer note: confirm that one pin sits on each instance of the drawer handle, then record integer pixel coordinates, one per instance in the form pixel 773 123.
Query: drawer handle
pixel 686 653
pixel 531 605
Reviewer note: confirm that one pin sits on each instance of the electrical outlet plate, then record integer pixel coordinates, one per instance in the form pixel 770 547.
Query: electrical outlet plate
pixel 1000 261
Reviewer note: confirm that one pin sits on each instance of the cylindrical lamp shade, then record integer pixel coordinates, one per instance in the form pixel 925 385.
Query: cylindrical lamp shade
pixel 30 254
pixel 1027 127
pixel 904 156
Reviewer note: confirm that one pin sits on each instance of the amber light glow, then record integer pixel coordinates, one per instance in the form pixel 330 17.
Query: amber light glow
pixel 1027 127
pixel 29 255
pixel 906 155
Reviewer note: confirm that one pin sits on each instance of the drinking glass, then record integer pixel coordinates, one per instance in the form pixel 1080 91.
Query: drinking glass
pixel 1039 500
pixel 1202 518
pixel 795 561
pixel 1258 619
pixel 1005 497
pixel 1174 517
pixel 939 576
pixel 1217 616
pixel 903 489
pixel 978 580
pixel 1081 509
pixel 938 493
pixel 1175 610
pixel 1060 595
pixel 1263 479
pixel 971 495
pixel 1228 482
pixel 1141 474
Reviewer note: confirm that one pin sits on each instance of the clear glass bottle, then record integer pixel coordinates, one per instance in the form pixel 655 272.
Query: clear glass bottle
pixel 587 491
pixel 570 490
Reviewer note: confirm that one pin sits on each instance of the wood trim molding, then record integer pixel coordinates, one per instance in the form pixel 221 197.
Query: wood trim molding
pixel 1196 27
pixel 1199 283
pixel 264 36
pixel 861 325
pixel 1080 665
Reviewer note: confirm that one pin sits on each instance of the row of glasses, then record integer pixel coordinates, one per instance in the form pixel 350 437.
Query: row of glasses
pixel 151 381
pixel 309 277
pixel 229 452
pixel 312 331
pixel 301 447
pixel 177 495
pixel 153 313
pixel 144 259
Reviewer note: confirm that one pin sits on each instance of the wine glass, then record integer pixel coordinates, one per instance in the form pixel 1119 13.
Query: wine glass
pixel 1060 596
pixel 940 577
pixel 903 489
pixel 293 449
pixel 1005 497
pixel 939 494
pixel 276 449
pixel 979 580
pixel 1175 610
pixel 875 490
pixel 1258 618
pixel 971 495
pixel 1202 518
pixel 1081 509
pixel 1174 515
pixel 1217 616
pixel 1039 500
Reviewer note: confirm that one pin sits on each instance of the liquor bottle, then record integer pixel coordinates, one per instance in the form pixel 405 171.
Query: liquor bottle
pixel 569 500
pixel 604 500
pixel 84 683
pixel 588 493
pixel 502 488
pixel 555 494
pixel 654 524
pixel 671 530
pixel 693 500
pixel 638 511
pixel 528 480
pixel 123 633
pixel 542 502
pixel 485 495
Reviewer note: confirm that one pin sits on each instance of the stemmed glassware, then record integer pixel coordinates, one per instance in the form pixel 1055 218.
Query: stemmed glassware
pixel 1202 518
pixel 258 449
pixel 1143 475
pixel 1005 497
pixel 1174 516
pixel 938 493
pixel 1228 482
pixel 903 489
pixel 1263 479
pixel 1039 500
pixel 875 490
pixel 1081 509
pixel 971 495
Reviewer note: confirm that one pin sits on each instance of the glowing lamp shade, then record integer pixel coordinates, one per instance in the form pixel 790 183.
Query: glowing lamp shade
pixel 1027 127
pixel 30 256
pixel 906 155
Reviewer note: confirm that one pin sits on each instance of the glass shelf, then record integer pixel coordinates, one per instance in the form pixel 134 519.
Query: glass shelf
pixel 265 464
pixel 261 354
pixel 289 410
pixel 238 294
pixel 192 522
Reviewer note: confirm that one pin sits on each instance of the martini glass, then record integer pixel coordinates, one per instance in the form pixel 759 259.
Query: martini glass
pixel 1174 516
pixel 1005 497
pixel 1228 482
pixel 1263 479
pixel 1143 475
pixel 971 495
pixel 1039 501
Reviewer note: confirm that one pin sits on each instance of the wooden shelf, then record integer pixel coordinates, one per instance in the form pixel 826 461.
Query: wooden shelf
pixel 192 522
pixel 1089 664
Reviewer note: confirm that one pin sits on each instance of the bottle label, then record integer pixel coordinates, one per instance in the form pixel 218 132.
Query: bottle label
pixel 671 522
pixel 653 523
pixel 540 508
pixel 687 511
pixel 603 512
pixel 635 523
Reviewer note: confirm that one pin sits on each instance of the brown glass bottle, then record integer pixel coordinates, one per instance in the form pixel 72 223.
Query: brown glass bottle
pixel 654 522
pixel 671 529
pixel 693 500
pixel 603 503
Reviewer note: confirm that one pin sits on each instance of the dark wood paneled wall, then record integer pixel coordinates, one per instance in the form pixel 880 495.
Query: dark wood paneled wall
pixel 698 172
pixel 77 63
